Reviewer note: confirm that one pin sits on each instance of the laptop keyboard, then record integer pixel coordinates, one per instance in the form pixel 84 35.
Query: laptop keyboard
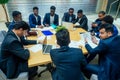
pixel 47 48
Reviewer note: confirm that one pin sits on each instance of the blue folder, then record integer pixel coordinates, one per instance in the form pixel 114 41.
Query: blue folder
pixel 47 32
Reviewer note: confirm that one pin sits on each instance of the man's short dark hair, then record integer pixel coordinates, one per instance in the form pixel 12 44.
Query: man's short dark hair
pixel 63 38
pixel 80 11
pixel 16 13
pixel 108 27
pixel 108 19
pixel 53 7
pixel 71 9
pixel 35 8
pixel 21 24
pixel 102 12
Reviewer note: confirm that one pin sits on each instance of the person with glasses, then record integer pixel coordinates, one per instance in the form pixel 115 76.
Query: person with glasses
pixel 51 18
pixel 69 16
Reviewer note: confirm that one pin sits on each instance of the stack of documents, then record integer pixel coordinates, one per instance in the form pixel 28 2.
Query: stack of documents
pixel 87 36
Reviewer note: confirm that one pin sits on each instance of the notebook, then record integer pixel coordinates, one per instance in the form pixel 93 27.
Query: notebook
pixel 68 25
pixel 47 32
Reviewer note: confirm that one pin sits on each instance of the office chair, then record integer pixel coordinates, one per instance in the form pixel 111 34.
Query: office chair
pixel 2 35
pixel 22 76
pixel 49 68
pixel 7 24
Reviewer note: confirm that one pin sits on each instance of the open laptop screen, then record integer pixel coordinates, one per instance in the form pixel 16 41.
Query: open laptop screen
pixel 68 25
pixel 45 47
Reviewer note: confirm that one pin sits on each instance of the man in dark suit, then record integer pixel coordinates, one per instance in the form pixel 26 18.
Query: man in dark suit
pixel 35 19
pixel 69 16
pixel 14 57
pixel 109 19
pixel 51 18
pixel 81 21
pixel 108 67
pixel 16 17
pixel 68 61
pixel 98 21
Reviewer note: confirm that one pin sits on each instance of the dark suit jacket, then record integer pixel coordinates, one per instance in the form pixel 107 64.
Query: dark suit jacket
pixel 68 62
pixel 10 27
pixel 98 22
pixel 33 22
pixel 109 52
pixel 23 40
pixel 13 58
pixel 83 22
pixel 47 19
pixel 66 17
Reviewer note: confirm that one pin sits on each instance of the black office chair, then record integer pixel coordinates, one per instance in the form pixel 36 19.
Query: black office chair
pixel 49 68
pixel 2 35
pixel 7 24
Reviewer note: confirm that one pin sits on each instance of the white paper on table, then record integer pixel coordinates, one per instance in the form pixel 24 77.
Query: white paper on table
pixel 46 28
pixel 74 44
pixel 41 38
pixel 54 32
pixel 82 43
pixel 89 40
pixel 49 37
pixel 36 48
pixel 76 24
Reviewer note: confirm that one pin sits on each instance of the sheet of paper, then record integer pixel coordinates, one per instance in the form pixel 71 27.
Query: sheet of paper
pixel 76 24
pixel 49 37
pixel 36 48
pixel 44 28
pixel 74 44
pixel 41 38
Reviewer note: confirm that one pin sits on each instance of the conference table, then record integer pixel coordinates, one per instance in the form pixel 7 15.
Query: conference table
pixel 38 58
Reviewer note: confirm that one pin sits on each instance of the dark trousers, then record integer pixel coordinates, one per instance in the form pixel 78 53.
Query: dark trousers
pixel 91 69
pixel 32 72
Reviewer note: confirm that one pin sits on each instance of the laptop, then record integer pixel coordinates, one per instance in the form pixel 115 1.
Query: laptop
pixel 68 25
pixel 45 47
